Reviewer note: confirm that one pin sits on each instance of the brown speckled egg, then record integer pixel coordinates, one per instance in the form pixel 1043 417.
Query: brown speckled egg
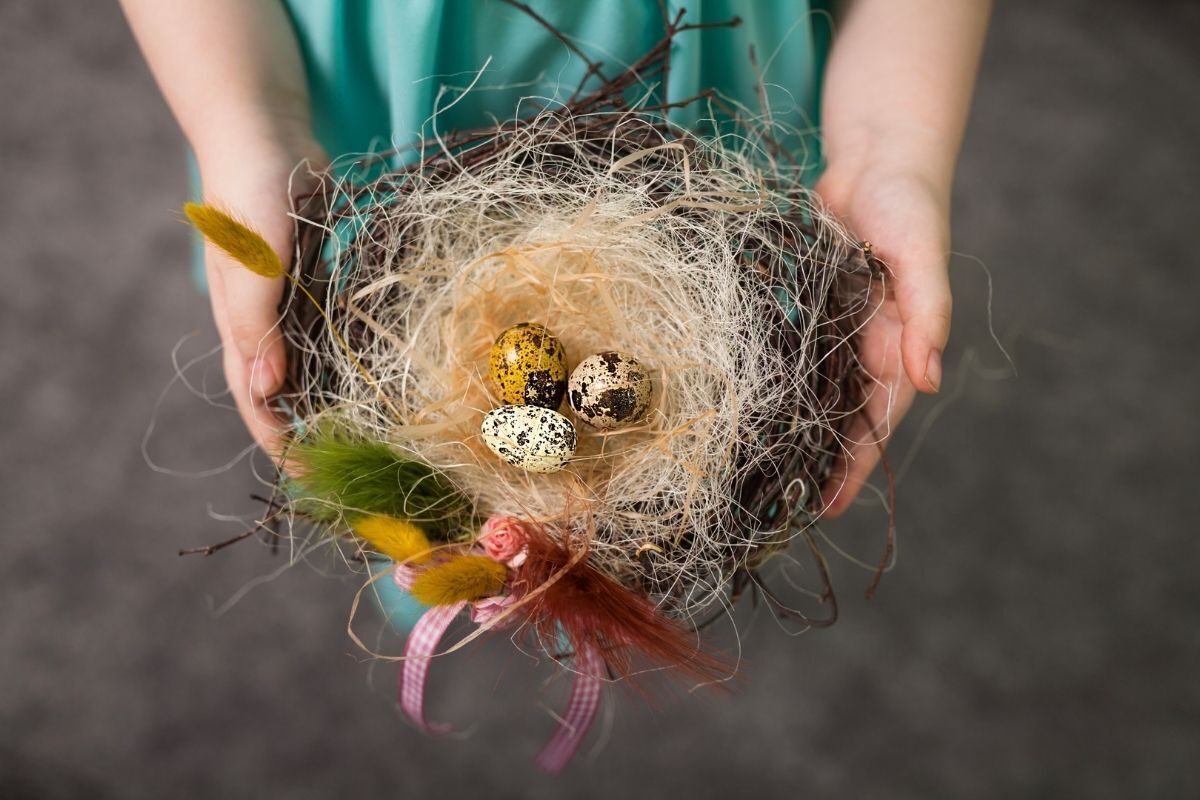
pixel 610 390
pixel 529 366
pixel 533 438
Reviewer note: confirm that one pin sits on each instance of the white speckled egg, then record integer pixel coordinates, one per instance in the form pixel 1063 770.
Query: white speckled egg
pixel 610 390
pixel 533 438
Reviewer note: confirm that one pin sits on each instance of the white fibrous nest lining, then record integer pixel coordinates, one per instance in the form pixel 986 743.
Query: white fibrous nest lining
pixel 731 284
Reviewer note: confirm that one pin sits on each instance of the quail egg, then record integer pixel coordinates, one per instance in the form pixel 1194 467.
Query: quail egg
pixel 610 390
pixel 529 366
pixel 534 438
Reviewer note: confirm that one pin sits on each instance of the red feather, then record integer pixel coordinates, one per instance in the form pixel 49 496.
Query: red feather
pixel 594 610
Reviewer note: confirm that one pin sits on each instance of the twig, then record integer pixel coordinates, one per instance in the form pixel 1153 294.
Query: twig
pixel 593 67
pixel 273 512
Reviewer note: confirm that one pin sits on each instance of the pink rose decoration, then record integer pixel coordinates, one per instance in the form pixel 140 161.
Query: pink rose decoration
pixel 504 540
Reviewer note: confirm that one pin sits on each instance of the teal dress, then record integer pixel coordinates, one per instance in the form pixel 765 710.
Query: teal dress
pixel 376 67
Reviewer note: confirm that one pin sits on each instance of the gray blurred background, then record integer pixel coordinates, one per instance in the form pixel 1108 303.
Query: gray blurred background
pixel 1038 637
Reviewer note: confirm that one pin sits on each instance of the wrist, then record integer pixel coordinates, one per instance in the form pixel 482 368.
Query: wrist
pixel 910 151
pixel 228 138
pixel 255 172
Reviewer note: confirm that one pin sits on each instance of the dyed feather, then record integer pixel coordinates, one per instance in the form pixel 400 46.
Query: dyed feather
pixel 467 577
pixel 240 242
pixel 339 473
pixel 398 539
pixel 592 609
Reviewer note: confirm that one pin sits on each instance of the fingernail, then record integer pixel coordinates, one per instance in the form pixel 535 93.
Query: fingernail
pixel 933 369
pixel 262 377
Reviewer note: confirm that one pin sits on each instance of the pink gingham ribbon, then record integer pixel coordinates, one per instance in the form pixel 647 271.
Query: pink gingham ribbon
pixel 403 576
pixel 418 650
pixel 423 642
pixel 581 712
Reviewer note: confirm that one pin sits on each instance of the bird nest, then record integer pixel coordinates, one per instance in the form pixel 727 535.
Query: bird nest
pixel 617 231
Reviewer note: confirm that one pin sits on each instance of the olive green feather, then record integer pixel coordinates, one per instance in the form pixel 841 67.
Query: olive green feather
pixel 342 475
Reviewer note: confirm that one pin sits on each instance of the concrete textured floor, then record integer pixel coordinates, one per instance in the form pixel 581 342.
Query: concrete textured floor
pixel 1038 638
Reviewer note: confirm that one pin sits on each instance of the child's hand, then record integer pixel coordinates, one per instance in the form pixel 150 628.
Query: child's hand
pixel 905 217
pixel 894 103
pixel 232 73
pixel 251 182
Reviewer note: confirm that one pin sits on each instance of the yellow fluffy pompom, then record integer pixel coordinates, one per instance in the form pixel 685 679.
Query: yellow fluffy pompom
pixel 399 540
pixel 244 245
pixel 461 578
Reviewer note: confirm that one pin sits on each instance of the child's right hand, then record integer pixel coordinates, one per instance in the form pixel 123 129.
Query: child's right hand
pixel 250 180
pixel 232 73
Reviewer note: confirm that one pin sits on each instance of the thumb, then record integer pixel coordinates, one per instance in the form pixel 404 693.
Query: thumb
pixel 924 302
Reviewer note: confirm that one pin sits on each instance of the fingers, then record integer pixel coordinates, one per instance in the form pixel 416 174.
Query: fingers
pixel 256 413
pixel 890 395
pixel 901 348
pixel 245 311
pixel 251 312
pixel 866 440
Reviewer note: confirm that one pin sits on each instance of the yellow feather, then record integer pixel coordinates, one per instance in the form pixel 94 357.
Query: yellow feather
pixel 399 540
pixel 461 578
pixel 244 245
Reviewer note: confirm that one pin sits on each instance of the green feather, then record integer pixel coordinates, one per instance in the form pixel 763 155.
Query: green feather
pixel 341 474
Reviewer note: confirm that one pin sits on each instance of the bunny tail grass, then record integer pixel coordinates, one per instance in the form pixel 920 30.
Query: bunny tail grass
pixel 241 243
pixel 398 539
pixel 462 578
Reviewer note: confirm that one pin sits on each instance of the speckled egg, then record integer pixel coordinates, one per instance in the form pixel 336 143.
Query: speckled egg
pixel 534 438
pixel 529 366
pixel 610 390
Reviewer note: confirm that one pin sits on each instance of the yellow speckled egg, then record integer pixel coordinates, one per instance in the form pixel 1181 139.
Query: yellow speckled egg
pixel 528 365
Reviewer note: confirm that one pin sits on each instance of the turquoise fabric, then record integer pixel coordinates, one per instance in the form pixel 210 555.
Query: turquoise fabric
pixel 375 67
pixel 400 609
